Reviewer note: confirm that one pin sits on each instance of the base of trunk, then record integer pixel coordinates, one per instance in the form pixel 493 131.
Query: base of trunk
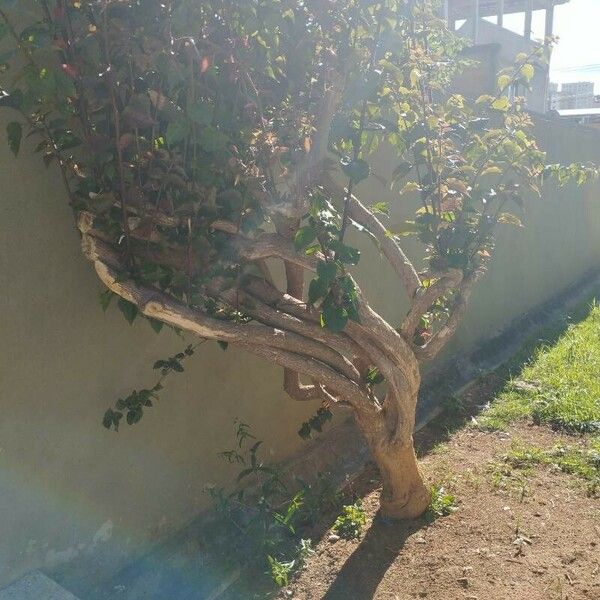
pixel 404 495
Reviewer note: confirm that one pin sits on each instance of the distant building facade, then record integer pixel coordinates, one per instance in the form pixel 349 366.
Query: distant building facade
pixel 589 117
pixel 495 47
pixel 572 96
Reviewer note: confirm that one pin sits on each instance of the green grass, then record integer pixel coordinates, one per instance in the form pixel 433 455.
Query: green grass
pixel 583 462
pixel 559 386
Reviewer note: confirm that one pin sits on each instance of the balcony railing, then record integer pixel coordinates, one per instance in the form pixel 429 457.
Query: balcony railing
pixel 474 10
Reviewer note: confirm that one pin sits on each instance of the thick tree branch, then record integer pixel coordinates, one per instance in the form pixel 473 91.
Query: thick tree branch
pixel 425 297
pixel 158 305
pixel 388 244
pixel 266 245
pixel 337 346
pixel 445 333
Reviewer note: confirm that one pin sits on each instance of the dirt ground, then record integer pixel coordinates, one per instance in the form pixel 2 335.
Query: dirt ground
pixel 534 535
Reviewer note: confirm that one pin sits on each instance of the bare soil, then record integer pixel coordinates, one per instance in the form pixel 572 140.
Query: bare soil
pixel 534 535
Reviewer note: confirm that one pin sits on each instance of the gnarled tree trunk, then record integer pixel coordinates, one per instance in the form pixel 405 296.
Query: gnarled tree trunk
pixel 404 494
pixel 388 434
pixel 285 330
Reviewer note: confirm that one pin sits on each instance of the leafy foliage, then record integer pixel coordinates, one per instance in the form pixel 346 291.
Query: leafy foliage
pixel 133 405
pixel 264 515
pixel 166 117
pixel 315 423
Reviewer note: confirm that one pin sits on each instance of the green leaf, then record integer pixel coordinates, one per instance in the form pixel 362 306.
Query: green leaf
pixel 414 77
pixel 502 104
pixel 107 420
pixel 14 131
pixel 129 310
pixel 509 219
pixel 177 131
pixel 317 289
pixel 156 325
pixel 345 254
pixel 223 345
pixel 201 113
pixel 304 236
pixel 373 376
pixel 134 415
pixel 105 298
pixel 381 208
pixel 112 418
pixel 335 317
pixel 304 431
pixel 528 71
pixel 503 82
pixel 357 170
pixel 493 170
pixel 327 271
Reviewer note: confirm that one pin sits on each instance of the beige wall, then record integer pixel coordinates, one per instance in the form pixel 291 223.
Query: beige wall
pixel 65 481
pixel 73 495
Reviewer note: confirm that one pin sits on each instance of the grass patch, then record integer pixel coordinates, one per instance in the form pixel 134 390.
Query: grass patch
pixel 559 386
pixel 519 462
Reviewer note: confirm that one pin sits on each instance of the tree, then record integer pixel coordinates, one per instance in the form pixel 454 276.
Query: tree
pixel 200 142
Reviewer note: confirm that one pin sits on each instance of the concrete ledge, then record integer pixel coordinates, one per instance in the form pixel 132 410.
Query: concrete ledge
pixel 35 586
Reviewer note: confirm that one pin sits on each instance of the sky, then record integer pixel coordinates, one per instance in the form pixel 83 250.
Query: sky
pixel 577 55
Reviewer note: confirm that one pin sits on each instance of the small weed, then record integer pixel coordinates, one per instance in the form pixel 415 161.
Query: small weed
pixel 439 449
pixel 523 457
pixel 512 471
pixel 443 503
pixel 264 518
pixel 320 496
pixel 472 479
pixel 280 570
pixel 351 522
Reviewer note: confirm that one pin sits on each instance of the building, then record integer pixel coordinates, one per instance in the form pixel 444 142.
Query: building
pixel 495 47
pixel 580 116
pixel 572 96
pixel 577 95
pixel 553 96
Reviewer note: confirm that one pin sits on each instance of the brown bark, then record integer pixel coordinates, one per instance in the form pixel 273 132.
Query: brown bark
pixel 404 494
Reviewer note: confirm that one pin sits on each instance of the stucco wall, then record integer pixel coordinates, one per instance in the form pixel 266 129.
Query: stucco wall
pixel 75 496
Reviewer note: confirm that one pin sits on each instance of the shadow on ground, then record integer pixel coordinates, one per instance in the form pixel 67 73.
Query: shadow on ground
pixel 363 571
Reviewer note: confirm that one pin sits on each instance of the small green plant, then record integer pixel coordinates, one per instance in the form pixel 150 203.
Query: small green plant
pixel 266 516
pixel 320 496
pixel 281 570
pixel 351 521
pixel 443 503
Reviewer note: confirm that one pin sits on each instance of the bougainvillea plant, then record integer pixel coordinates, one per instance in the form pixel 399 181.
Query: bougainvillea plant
pixel 202 141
